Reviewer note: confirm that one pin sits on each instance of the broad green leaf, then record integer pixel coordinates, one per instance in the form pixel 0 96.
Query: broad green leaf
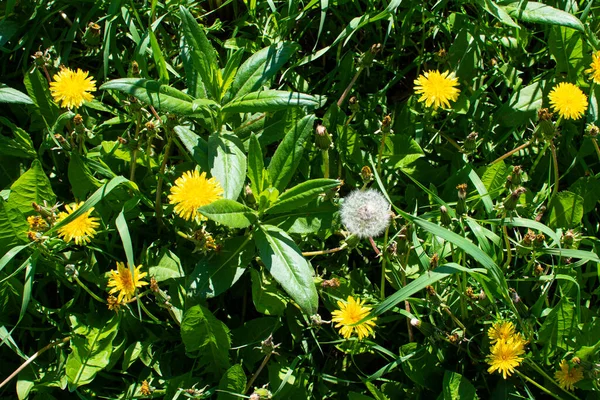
pixel 311 218
pixel 227 163
pixel 494 177
pixel 229 213
pixel 13 227
pixel 256 165
pixel 10 95
pixel 482 191
pixel 19 146
pixel 422 368
pixel 566 47
pixel 259 68
pixel 566 210
pixel 91 347
pixel 402 150
pixel 207 338
pixel 301 194
pixel 37 88
pixel 230 70
pixel 498 12
pixel 202 54
pixel 266 296
pixel 268 101
pixel 80 177
pixel 195 145
pixel 559 325
pixel 32 186
pixel 588 187
pixel 289 153
pixel 286 264
pixel 162 97
pixel 159 59
pixel 233 381
pixel 457 387
pixel 166 266
pixel 250 333
pixel 213 276
pixel 522 105
pixel 531 11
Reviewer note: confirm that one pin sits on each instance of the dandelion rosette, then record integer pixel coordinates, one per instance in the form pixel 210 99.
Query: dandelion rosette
pixel 350 312
pixel 72 88
pixel 365 213
pixel 594 69
pixel 568 376
pixel 81 229
pixel 437 89
pixel 124 283
pixel 191 191
pixel 568 100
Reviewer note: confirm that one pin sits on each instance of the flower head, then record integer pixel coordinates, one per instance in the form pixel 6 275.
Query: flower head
pixel 437 89
pixel 568 376
pixel 121 281
pixel 191 191
pixel 81 229
pixel 568 100
pixel 37 223
pixel 501 330
pixel 72 88
pixel 366 213
pixel 594 69
pixel 351 312
pixel 505 355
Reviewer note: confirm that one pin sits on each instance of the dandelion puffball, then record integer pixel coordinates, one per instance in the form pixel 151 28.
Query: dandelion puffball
pixel 365 213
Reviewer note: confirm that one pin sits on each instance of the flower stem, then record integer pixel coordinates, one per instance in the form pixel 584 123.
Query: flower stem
pixel 545 375
pixel 260 368
pixel 349 87
pixel 161 174
pixel 510 153
pixel 84 287
pixel 325 154
pixel 323 252
pixel 556 175
pixel 380 155
pixel 383 262
pixel 596 147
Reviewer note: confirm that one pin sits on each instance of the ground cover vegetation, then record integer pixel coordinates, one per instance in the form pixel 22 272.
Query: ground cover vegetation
pixel 358 199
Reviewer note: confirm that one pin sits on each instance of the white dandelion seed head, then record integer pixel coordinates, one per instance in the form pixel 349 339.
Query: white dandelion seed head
pixel 365 213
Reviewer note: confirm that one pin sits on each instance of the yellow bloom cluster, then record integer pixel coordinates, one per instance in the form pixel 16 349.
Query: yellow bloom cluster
pixel 350 312
pixel 437 88
pixel 191 191
pixel 72 88
pixel 507 349
pixel 568 376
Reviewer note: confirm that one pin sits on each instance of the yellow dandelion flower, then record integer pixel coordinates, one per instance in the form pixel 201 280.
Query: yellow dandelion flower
pixel 72 88
pixel 501 330
pixel 436 88
pixel 568 100
pixel 594 69
pixel 37 223
pixel 505 355
pixel 81 229
pixel 351 312
pixel 191 191
pixel 121 281
pixel 568 376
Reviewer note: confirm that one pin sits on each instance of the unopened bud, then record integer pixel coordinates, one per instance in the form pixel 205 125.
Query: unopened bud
pixel 430 290
pixel 353 105
pixel 386 124
pixel 322 138
pixel 461 204
pixel 470 142
pixel 510 203
pixel 78 119
pixel 366 174
pixel 592 130
pixel 568 238
pixel 92 35
pixel 444 216
pixel 150 126
pixel 433 262
pixel 135 69
pixel 516 175
pixel 332 283
pixel 539 240
pixel 249 195
pixel 71 271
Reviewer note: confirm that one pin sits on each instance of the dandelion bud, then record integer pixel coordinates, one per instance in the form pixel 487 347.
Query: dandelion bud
pixel 510 203
pixel 366 174
pixel 40 59
pixel 433 262
pixel 249 195
pixel 386 124
pixel 393 248
pixel 415 322
pixel 92 35
pixel 516 175
pixel 430 290
pixel 134 71
pixel 441 55
pixel 526 243
pixel 544 114
pixel 78 119
pixel 545 125
pixel 540 215
pixel 426 328
pixel 254 396
pixel 568 238
pixel 539 270
pixel 150 126
pixel 122 140
pixel 482 295
pixel 453 338
pixel 471 142
pixel 322 138
pixel 444 216
pixel 461 205
pixel 576 360
pixel 515 296
pixel 154 285
pixel 592 130
pixel 539 240
pixel 332 283
pixel 267 346
pixel 365 213
pixel 353 105
pixel 470 293
pixel 71 271
pixel 146 390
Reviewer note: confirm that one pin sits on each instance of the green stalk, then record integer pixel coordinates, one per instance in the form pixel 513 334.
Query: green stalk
pixel 84 287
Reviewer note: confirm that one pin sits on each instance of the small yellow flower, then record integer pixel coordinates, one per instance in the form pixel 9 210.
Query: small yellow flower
pixel 81 229
pixel 72 88
pixel 501 330
pixel 568 100
pixel 436 88
pixel 191 191
pixel 37 223
pixel 594 69
pixel 568 376
pixel 121 281
pixel 505 355
pixel 351 312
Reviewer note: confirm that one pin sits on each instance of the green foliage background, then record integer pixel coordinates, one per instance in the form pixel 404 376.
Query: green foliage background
pixel 236 88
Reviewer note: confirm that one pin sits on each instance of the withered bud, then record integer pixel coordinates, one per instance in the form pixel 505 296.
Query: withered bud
pixel 482 295
pixel 415 322
pixel 453 338
pixel 366 174
pixel 471 142
pixel 510 203
pixel 268 347
pixel 462 191
pixel 445 218
pixel 386 123
pixel 539 270
pixel 122 140
pixel 516 175
pixel 353 105
pixel 544 114
pixel 94 28
pixel 249 194
pixel 540 215
pixel 322 138
pixel 433 262
pixel 529 238
pixel 78 119
pixel 592 130
pixel 135 68
pixel 332 283
pixel 393 248
pixel 154 285
pixel 60 138
pixel 146 390
pixel 150 126
pixel 430 290
pixel 36 207
pixel 376 48
pixel 113 303
pixel 539 240
pixel 461 204
pixel 317 320
pixel 254 396
pixel 469 292
pixel 442 53
pixel 515 296
pixel 509 183
pixel 576 360
pixel 568 238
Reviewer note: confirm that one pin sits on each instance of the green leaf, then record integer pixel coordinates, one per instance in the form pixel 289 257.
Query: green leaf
pixel 162 97
pixel 266 296
pixel 259 68
pixel 213 276
pixel 229 213
pixel 91 347
pixel 194 144
pixel 559 325
pixel 227 163
pixel 498 12
pixel 522 105
pixel 402 150
pixel 202 54
pixel 312 218
pixel 301 194
pixel 234 381
pixel 230 70
pixel 289 153
pixel 204 334
pixel 37 88
pixel 268 101
pixel 531 11
pixel 422 368
pixel 457 387
pixel 13 227
pixel 256 165
pixel 286 264
pixel 566 210
pixel 159 59
pixel 566 47
pixel 493 177
pixel 80 177
pixel 32 186
pixel 10 95
pixel 166 266
pixel 20 146
pixel 587 187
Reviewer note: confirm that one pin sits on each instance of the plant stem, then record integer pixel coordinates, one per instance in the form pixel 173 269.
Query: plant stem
pixel 510 153
pixel 84 287
pixel 383 262
pixel 506 243
pixel 538 158
pixel 596 147
pixel 33 357
pixel 260 368
pixel 325 154
pixel 161 173
pixel 323 252
pixel 349 87
pixel 380 155
pixel 134 152
pixel 543 389
pixel 374 246
pixel 555 162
